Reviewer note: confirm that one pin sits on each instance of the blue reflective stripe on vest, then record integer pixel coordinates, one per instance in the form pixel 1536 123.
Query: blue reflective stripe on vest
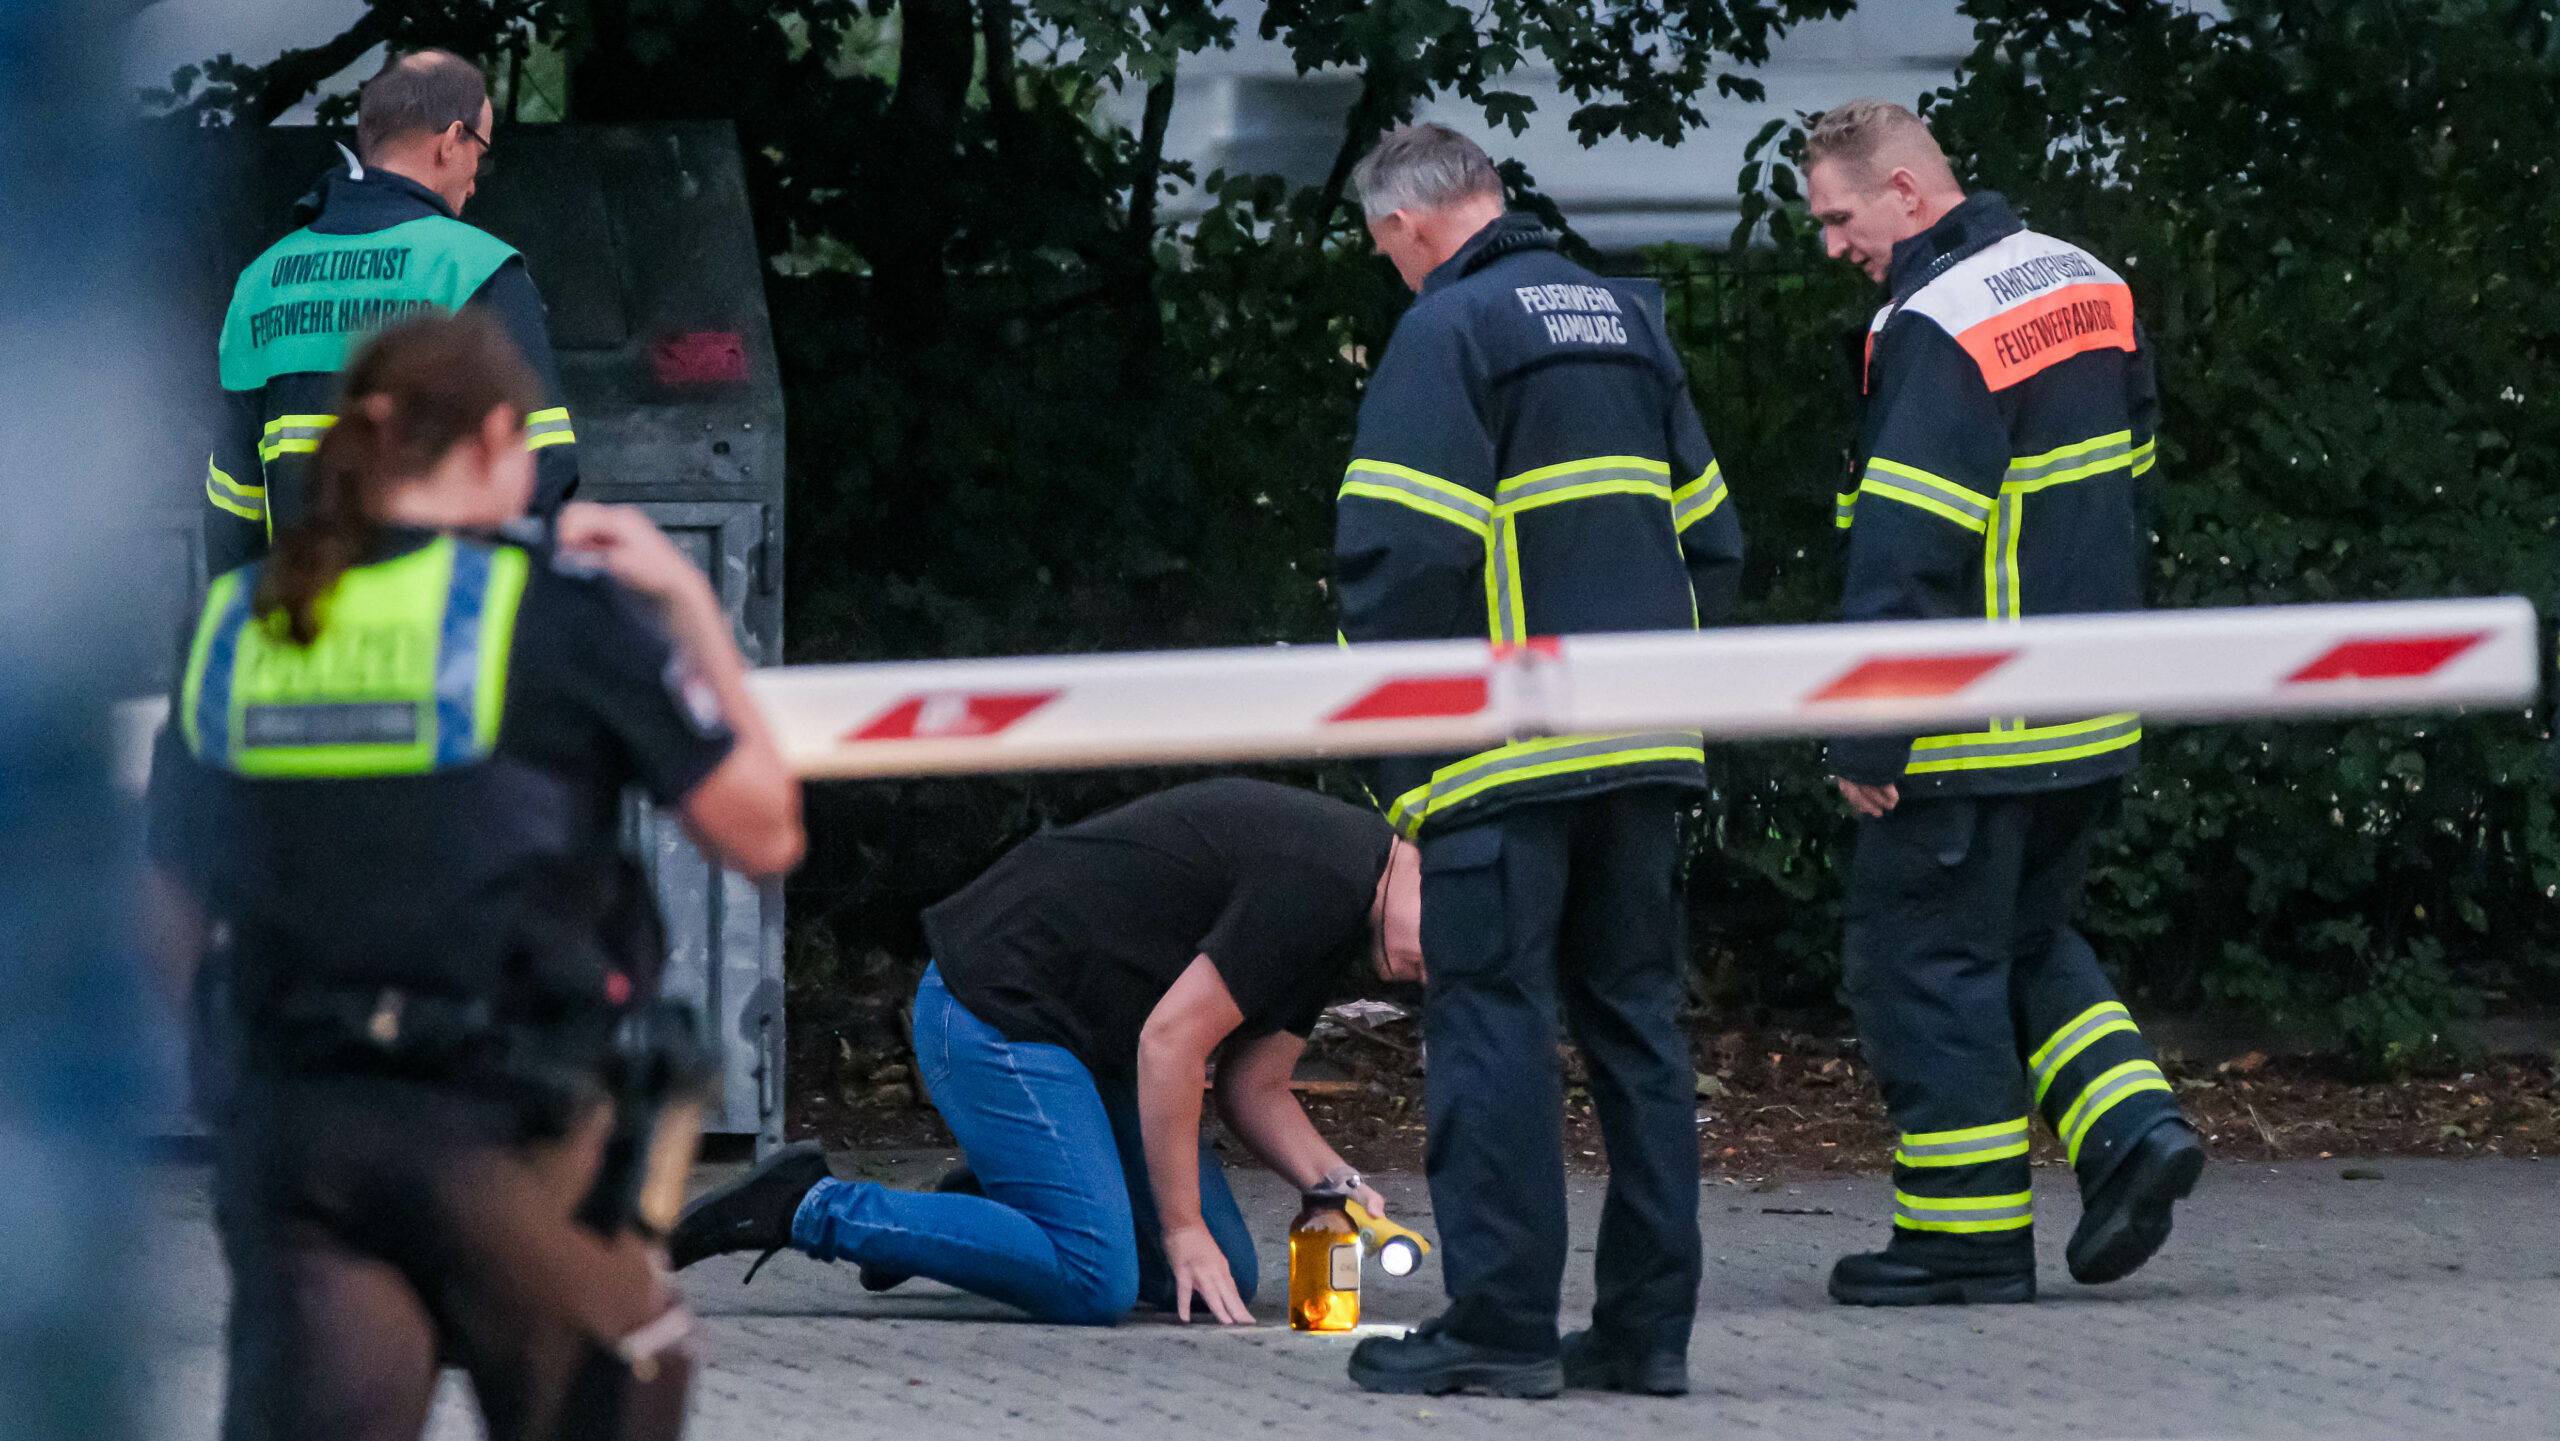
pixel 213 700
pixel 458 660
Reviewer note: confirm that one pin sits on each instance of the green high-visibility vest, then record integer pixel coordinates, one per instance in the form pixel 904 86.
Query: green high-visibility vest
pixel 304 305
pixel 408 674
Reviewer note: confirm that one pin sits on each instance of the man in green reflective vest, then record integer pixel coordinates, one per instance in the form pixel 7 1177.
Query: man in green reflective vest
pixel 381 241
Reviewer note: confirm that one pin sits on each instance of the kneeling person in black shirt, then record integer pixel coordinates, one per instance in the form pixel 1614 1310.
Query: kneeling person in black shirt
pixel 1078 991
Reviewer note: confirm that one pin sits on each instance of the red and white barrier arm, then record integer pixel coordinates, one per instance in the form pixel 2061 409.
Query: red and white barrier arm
pixel 1207 706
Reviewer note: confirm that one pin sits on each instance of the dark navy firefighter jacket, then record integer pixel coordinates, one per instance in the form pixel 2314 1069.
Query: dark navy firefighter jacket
pixel 1529 463
pixel 2010 416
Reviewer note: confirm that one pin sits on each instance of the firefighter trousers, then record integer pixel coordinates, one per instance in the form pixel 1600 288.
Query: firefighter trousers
pixel 1979 1005
pixel 1567 904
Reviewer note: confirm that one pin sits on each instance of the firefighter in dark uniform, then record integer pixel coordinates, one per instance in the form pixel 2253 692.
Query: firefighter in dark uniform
pixel 381 239
pixel 1529 464
pixel 391 792
pixel 2011 418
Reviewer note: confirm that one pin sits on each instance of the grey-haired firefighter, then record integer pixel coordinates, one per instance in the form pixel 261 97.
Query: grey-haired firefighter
pixel 381 240
pixel 1530 464
pixel 391 792
pixel 2011 418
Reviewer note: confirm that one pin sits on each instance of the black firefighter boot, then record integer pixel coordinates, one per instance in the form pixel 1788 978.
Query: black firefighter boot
pixel 752 1213
pixel 1428 1361
pixel 2125 1218
pixel 1917 1268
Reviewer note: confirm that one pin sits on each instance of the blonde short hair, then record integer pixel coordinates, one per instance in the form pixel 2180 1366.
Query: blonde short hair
pixel 1872 138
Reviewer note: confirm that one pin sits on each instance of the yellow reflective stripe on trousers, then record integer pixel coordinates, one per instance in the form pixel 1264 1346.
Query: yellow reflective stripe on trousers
pixel 293 435
pixel 1582 479
pixel 2030 745
pixel 249 502
pixel 1462 781
pixel 1429 494
pixel 1969 1147
pixel 1698 499
pixel 1963 1213
pixel 2078 1034
pixel 548 427
pixel 2101 1096
pixel 1933 493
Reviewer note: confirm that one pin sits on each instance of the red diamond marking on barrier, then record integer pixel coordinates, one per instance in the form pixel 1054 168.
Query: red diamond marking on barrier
pixel 947 715
pixel 1414 697
pixel 2401 657
pixel 1907 677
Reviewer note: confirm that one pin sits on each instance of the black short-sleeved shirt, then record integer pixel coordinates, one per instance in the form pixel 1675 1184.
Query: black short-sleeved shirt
pixel 597 700
pixel 1074 936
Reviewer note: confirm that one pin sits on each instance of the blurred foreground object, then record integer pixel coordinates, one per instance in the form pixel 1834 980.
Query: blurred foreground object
pixel 80 347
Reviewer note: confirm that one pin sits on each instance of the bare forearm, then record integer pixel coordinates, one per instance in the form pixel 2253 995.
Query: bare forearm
pixel 1271 1123
pixel 1169 1126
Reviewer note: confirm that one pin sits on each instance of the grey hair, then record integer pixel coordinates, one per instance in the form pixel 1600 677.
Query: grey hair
pixel 1423 167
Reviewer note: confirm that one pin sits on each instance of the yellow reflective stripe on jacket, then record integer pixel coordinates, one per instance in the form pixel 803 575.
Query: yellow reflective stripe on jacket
pixel 2078 1034
pixel 1583 479
pixel 1963 1214
pixel 2103 1095
pixel 1969 1147
pixel 1460 781
pixel 293 435
pixel 1698 499
pixel 2023 746
pixel 1429 494
pixel 548 427
pixel 2145 454
pixel 249 502
pixel 2077 461
pixel 1507 614
pixel 1844 509
pixel 1933 493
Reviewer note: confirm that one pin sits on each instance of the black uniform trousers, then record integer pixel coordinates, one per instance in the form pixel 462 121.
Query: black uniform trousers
pixel 379 1229
pixel 1570 901
pixel 1978 1004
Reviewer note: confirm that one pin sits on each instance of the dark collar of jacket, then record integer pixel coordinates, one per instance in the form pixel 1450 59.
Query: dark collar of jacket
pixel 1982 220
pixel 340 204
pixel 1499 238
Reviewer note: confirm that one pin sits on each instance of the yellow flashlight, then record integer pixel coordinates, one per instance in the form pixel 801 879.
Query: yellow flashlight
pixel 1398 1250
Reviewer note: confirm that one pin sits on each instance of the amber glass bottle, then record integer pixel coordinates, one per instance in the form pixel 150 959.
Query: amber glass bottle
pixel 1324 1267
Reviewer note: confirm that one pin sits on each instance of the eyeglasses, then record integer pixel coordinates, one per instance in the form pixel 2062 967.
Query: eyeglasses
pixel 474 134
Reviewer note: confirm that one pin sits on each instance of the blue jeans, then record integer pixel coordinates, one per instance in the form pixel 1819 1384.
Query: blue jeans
pixel 1067 1229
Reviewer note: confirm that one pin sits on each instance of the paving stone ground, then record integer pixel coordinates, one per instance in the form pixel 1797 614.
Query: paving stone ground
pixel 2291 1303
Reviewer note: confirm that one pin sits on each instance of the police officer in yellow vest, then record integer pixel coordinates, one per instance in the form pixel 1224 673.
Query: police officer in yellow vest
pixel 2011 417
pixel 381 240
pixel 392 788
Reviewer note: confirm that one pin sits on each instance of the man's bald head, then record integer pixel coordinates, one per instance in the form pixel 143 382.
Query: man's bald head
pixel 1874 177
pixel 418 94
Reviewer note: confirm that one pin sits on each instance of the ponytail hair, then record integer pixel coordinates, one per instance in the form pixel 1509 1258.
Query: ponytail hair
pixel 413 393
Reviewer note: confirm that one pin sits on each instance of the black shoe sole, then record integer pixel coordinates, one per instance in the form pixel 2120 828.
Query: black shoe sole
pixel 1519 1380
pixel 1938 1291
pixel 1665 1379
pixel 2133 1233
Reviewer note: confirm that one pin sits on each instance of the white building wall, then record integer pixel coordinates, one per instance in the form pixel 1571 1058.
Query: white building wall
pixel 1248 109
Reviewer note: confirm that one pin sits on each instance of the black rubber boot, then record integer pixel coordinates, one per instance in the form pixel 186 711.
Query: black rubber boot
pixel 752 1213
pixel 1916 1269
pixel 1429 1363
pixel 1593 1362
pixel 2126 1220
pixel 958 1181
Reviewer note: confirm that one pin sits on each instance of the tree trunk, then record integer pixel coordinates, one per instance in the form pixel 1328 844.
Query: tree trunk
pixel 937 58
pixel 1004 106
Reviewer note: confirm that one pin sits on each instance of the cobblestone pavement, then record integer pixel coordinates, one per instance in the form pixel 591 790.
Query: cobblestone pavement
pixel 2292 1302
